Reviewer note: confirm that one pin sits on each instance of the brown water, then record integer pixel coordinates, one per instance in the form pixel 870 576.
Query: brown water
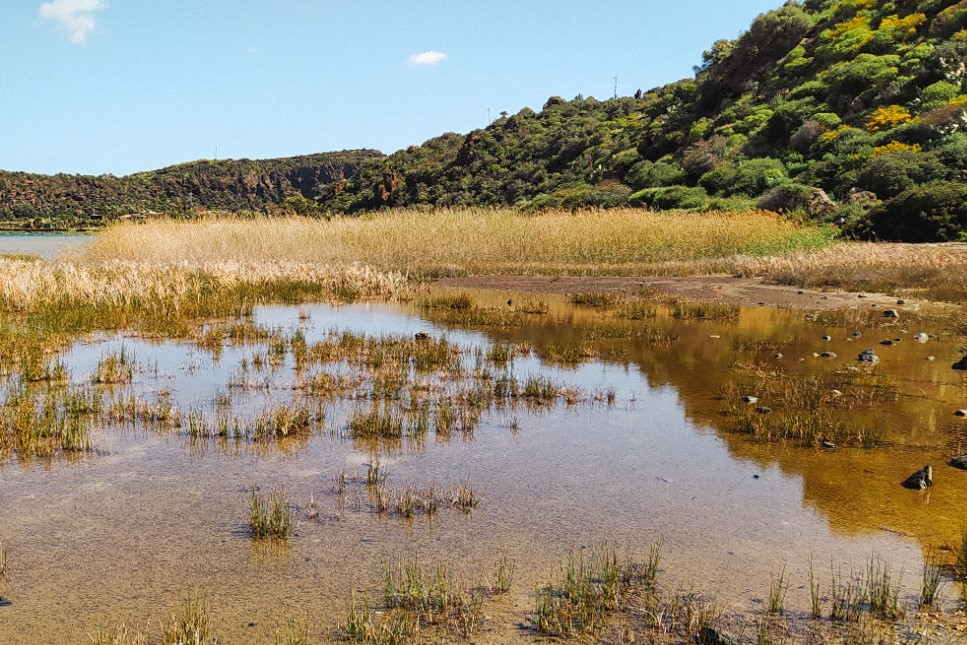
pixel 124 533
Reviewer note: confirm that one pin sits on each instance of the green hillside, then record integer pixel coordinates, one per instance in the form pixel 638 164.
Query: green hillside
pixel 848 111
pixel 77 200
pixel 864 99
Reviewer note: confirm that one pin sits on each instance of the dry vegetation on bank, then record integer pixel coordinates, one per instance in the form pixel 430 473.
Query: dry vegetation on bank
pixel 178 266
pixel 467 241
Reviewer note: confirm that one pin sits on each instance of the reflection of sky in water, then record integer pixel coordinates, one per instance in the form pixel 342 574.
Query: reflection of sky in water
pixel 150 517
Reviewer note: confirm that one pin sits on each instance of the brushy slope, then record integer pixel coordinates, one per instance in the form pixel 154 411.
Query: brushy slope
pixel 864 99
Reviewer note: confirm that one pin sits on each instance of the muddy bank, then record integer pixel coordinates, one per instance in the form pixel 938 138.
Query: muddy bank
pixel 747 292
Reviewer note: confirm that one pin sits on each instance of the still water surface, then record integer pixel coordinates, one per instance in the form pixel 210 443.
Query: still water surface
pixel 46 245
pixel 122 534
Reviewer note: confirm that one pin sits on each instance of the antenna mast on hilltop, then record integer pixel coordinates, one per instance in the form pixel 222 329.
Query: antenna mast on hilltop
pixel 616 87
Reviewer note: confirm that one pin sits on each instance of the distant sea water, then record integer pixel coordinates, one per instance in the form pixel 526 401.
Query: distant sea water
pixel 44 245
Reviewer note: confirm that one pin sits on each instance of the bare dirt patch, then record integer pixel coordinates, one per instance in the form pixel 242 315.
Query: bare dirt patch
pixel 748 292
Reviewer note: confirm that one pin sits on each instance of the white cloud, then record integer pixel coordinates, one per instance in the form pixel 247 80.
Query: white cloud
pixel 427 58
pixel 73 17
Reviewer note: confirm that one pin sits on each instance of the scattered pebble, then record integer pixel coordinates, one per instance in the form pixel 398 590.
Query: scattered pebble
pixel 861 295
pixel 762 409
pixel 749 399
pixel 868 356
pixel 857 334
pixel 826 443
pixel 886 342
pixel 931 358
pixel 828 355
pixel 836 393
pixel 827 338
pixel 960 413
pixel 921 338
pixel 714 336
pixel 901 301
pixel 891 313
pixel 778 354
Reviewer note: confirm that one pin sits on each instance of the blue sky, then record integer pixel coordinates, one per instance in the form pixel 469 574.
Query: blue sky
pixel 118 86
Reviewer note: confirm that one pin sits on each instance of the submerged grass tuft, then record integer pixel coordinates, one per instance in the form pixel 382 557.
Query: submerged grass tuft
pixel 272 517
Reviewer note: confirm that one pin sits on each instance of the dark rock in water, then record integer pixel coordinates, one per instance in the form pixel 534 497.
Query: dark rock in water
pixel 961 364
pixel 920 479
pixel 868 356
pixel 959 461
pixel 421 335
pixel 891 313
pixel 712 636
pixel 762 409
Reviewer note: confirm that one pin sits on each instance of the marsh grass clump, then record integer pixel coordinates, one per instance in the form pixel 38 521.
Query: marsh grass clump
pixel 270 518
pixel 847 597
pixel 381 421
pixel 193 626
pixel 503 576
pixel 285 420
pixel 705 311
pixel 47 421
pixel 778 586
pixel 593 299
pixel 461 301
pixel 120 634
pixel 3 561
pixel 584 593
pixel 463 497
pixel 961 554
pixel 882 591
pixel 117 368
pixel 294 633
pixel 420 603
pixel 931 581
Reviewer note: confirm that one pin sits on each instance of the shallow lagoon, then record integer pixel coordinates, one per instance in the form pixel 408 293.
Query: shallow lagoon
pixel 43 245
pixel 640 452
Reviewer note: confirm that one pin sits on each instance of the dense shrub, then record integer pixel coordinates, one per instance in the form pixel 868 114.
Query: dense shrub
pixel 922 214
pixel 670 197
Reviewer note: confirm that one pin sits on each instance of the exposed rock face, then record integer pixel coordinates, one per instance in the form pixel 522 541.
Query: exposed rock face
pixel 860 196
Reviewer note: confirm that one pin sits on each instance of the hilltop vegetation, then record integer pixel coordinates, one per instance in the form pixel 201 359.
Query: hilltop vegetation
pixel 244 185
pixel 845 111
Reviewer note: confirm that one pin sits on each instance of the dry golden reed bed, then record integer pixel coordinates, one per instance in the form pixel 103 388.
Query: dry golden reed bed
pixel 467 241
pixel 125 283
pixel 378 256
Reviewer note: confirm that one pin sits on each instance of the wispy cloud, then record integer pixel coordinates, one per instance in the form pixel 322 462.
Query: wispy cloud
pixel 427 58
pixel 73 17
